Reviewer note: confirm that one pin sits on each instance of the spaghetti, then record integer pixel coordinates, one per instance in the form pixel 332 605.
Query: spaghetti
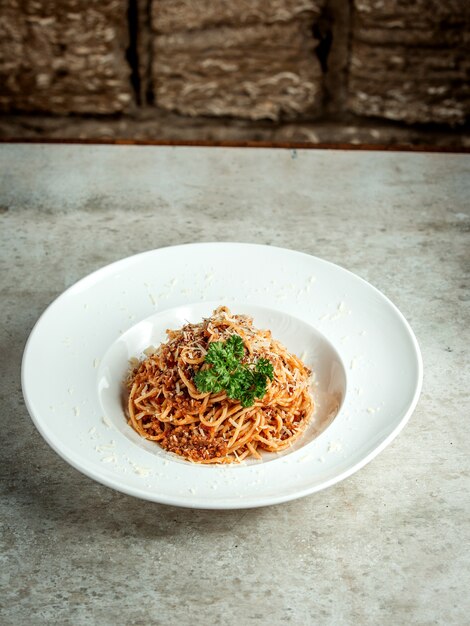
pixel 165 406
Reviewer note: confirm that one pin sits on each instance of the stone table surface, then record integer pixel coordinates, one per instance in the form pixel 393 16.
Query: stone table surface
pixel 389 545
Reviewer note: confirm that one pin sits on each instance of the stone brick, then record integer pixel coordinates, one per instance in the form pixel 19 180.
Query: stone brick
pixel 150 124
pixel 410 61
pixel 169 16
pixel 64 56
pixel 252 60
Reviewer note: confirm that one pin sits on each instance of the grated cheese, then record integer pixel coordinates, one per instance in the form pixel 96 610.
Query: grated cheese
pixel 106 421
pixel 335 446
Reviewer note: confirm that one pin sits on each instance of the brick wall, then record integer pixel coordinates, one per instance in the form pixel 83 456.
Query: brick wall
pixel 250 68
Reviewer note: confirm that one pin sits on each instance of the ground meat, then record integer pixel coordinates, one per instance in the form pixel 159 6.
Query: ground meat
pixel 193 446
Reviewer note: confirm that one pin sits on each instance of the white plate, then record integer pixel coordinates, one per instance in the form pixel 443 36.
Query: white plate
pixel 365 357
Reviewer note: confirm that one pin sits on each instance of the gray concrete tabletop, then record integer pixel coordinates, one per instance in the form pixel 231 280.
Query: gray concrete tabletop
pixel 389 545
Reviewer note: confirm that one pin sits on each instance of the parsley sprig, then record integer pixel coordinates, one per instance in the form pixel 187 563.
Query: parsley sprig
pixel 241 381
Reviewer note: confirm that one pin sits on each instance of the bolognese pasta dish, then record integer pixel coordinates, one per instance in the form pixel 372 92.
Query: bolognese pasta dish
pixel 220 391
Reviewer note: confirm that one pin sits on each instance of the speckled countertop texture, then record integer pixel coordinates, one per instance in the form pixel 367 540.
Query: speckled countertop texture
pixel 387 546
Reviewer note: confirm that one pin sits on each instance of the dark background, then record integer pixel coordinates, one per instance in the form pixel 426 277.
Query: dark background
pixel 322 71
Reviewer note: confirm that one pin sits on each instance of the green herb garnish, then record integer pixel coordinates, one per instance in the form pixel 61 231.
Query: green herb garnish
pixel 241 381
